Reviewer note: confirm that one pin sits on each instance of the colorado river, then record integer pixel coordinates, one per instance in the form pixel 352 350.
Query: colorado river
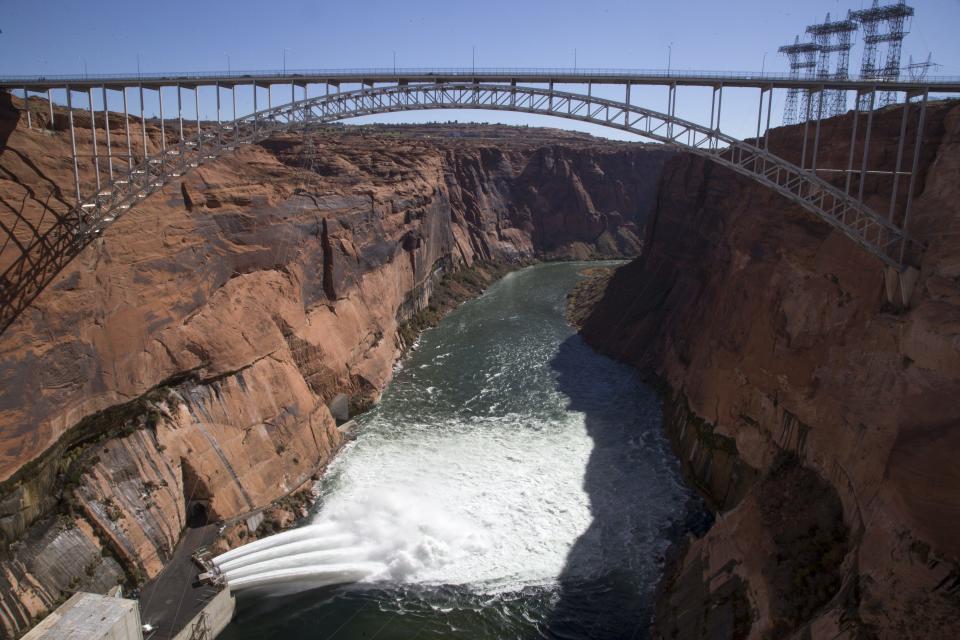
pixel 511 484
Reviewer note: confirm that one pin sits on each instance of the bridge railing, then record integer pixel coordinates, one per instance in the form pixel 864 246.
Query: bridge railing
pixel 584 73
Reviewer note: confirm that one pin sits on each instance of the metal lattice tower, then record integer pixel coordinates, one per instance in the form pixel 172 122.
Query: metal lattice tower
pixel 833 38
pixel 917 71
pixel 893 17
pixel 307 173
pixel 802 57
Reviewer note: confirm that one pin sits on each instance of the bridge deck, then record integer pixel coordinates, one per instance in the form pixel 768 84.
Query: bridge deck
pixel 528 76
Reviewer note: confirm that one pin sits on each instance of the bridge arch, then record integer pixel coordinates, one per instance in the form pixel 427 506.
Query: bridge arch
pixel 852 217
pixel 50 252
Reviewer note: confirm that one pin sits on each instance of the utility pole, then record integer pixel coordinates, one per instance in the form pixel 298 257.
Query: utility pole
pixel 669 56
pixel 834 39
pixel 802 64
pixel 893 17
pixel 473 59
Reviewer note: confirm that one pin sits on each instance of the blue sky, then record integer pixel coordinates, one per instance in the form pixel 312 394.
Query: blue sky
pixel 107 36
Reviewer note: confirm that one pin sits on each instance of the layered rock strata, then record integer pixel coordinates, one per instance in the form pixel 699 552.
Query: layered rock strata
pixel 820 420
pixel 180 369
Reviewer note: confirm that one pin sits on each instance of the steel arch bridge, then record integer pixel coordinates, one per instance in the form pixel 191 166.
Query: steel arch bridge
pixel 42 258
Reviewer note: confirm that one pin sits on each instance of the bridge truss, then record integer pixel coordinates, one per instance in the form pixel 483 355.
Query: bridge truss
pixel 123 180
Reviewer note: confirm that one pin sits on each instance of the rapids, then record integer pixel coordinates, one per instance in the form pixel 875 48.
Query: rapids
pixel 511 483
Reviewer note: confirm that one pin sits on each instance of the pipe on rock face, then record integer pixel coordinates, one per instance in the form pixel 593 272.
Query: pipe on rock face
pixel 295 561
pixel 285 537
pixel 321 543
pixel 314 576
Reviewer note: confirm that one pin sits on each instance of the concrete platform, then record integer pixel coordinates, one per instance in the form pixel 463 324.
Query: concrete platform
pixel 87 616
pixel 169 602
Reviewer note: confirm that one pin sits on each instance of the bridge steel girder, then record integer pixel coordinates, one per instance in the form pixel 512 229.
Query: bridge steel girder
pixel 51 251
pixel 481 76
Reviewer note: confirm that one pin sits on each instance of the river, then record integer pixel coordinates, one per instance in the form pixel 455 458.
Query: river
pixel 511 483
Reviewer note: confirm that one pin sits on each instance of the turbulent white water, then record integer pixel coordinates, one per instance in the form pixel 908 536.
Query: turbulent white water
pixel 489 501
pixel 506 456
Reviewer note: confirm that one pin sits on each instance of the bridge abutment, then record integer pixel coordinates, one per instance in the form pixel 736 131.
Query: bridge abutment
pixel 899 285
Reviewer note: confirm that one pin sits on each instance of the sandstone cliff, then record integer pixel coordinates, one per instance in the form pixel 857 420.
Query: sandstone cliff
pixel 182 366
pixel 821 421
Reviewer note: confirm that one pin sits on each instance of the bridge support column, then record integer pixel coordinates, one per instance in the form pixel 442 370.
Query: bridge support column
pixel 766 134
pixel 759 114
pixel 713 107
pixel 853 140
pixel 866 145
pixel 913 172
pixel 73 143
pixel 626 112
pixel 219 128
pixel 196 112
pixel 816 135
pixel 806 128
pixel 180 110
pixel 106 128
pixel 898 162
pixel 719 91
pixel 50 105
pixel 143 124
pixel 163 128
pixel 255 112
pixel 93 134
pixel 126 130
pixel 671 108
pixel 719 106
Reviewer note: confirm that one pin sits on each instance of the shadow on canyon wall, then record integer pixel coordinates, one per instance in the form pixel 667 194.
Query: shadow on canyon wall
pixel 8 118
pixel 637 499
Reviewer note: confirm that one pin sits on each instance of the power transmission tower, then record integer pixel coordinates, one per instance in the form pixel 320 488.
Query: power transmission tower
pixel 833 38
pixel 893 17
pixel 802 64
pixel 917 71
